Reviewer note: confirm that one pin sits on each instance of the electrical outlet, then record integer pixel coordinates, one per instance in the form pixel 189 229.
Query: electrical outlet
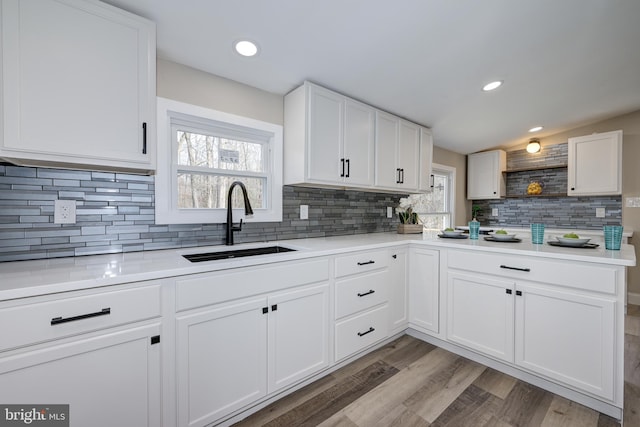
pixel 304 211
pixel 600 212
pixel 389 212
pixel 494 212
pixel 64 212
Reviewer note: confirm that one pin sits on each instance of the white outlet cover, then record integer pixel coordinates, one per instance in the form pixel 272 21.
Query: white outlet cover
pixel 494 212
pixel 600 213
pixel 304 211
pixel 64 212
pixel 389 212
pixel 632 202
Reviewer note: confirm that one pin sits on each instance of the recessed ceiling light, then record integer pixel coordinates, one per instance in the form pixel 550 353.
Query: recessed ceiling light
pixel 492 85
pixel 535 129
pixel 246 48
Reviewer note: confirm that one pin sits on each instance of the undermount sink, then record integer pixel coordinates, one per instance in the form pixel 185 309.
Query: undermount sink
pixel 236 253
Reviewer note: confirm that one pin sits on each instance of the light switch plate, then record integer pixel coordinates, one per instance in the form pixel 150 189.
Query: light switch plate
pixel 64 212
pixel 632 202
pixel 600 213
pixel 304 211
pixel 494 212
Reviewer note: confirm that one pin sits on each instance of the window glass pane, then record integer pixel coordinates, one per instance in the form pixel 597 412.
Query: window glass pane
pixel 208 151
pixel 201 191
pixel 435 222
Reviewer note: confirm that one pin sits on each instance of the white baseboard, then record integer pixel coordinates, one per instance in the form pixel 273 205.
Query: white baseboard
pixel 633 298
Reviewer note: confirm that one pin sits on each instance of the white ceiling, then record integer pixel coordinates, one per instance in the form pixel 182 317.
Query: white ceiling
pixel 565 63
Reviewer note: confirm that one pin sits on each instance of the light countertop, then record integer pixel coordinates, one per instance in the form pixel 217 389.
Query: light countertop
pixel 28 278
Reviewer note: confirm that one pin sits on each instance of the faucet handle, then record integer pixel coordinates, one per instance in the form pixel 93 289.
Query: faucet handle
pixel 237 227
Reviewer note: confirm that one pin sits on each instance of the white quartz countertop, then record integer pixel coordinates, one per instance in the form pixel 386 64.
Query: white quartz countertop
pixel 22 279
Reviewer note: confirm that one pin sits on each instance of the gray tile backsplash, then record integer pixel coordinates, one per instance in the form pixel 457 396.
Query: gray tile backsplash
pixel 554 211
pixel 115 213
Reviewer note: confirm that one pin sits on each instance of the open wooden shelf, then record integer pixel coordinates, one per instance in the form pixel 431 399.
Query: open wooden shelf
pixel 536 168
pixel 520 196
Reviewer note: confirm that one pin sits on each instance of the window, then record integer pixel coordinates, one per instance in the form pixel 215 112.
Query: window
pixel 201 152
pixel 436 208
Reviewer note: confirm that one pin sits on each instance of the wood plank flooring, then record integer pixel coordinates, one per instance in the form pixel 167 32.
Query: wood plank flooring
pixel 410 383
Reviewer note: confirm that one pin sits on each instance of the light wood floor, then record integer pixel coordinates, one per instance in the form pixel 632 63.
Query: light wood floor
pixel 414 384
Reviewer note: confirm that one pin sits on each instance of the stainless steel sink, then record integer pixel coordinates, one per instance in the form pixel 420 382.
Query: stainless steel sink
pixel 236 253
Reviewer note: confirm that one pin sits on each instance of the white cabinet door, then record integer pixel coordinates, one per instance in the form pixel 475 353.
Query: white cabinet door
pixel 324 145
pixel 424 283
pixel 480 314
pixel 108 380
pixel 595 164
pixel 567 337
pixel 426 160
pixel 387 174
pixel 78 85
pixel 397 153
pixel 485 179
pixel 298 335
pixel 409 155
pixel 358 152
pixel 398 294
pixel 221 360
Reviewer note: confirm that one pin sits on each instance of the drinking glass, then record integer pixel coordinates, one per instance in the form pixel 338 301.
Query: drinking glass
pixel 612 237
pixel 537 234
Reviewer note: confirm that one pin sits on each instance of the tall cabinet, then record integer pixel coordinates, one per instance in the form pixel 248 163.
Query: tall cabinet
pixel 485 177
pixel 78 85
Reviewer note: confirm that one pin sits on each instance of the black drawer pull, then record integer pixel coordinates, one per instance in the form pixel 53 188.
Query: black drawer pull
pixel 366 263
pixel 371 291
pixel 509 291
pixel 515 268
pixel 59 320
pixel 519 293
pixel 361 334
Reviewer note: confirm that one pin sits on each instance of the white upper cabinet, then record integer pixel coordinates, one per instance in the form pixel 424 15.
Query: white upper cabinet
pixel 328 139
pixel 595 164
pixel 332 140
pixel 426 160
pixel 78 86
pixel 485 178
pixel 397 153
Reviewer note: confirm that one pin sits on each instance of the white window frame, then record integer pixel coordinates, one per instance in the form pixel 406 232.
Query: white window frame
pixel 451 171
pixel 166 197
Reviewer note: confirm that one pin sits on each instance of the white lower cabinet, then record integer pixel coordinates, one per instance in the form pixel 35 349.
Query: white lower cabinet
pixel 564 333
pixel 104 363
pixel 232 354
pixel 424 290
pixel 567 336
pixel 362 292
pixel 398 290
pixel 480 314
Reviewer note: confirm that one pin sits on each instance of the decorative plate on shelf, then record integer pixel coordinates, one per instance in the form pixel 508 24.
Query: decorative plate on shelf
pixel 534 188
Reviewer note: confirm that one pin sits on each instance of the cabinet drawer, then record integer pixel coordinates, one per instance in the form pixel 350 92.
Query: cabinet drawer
pixel 361 331
pixel 50 320
pixel 361 262
pixel 361 292
pixel 199 290
pixel 598 278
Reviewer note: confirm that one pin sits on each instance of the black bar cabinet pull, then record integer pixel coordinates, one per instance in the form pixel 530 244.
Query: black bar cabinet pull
pixel 59 320
pixel 144 137
pixel 348 161
pixel 433 181
pixel 368 262
pixel 371 291
pixel 509 291
pixel 361 334
pixel 342 173
pixel 515 268
pixel 274 307
pixel 398 176
pixel 519 293
pixel 401 176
